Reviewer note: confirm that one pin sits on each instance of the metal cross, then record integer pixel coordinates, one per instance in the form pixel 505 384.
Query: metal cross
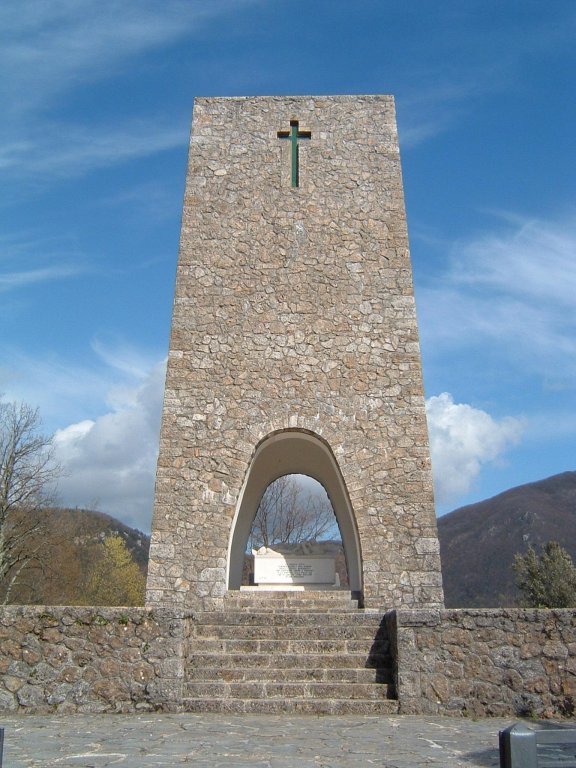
pixel 293 135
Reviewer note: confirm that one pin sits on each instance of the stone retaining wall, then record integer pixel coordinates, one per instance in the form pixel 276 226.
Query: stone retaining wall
pixel 486 662
pixel 504 662
pixel 90 659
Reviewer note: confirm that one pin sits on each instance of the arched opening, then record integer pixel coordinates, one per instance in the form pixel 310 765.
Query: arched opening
pixel 295 510
pixel 286 453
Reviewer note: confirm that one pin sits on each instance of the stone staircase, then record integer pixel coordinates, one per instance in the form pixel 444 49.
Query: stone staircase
pixel 289 652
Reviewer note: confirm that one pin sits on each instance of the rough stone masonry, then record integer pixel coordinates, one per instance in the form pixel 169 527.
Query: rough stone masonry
pixel 294 317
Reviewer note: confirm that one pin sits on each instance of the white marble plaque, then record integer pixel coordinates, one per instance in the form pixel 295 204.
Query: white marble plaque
pixel 282 568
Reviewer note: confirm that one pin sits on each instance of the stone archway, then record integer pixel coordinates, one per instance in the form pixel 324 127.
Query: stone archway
pixel 293 452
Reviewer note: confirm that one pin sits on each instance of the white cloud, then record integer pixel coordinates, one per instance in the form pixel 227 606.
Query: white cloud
pixel 51 47
pixel 49 52
pixel 67 151
pixel 62 390
pixel 154 200
pixel 534 260
pixel 428 111
pixel 462 440
pixel 27 259
pixel 108 455
pixel 496 60
pixel 122 357
pixel 513 290
pixel 24 278
pixel 66 390
pixel 110 462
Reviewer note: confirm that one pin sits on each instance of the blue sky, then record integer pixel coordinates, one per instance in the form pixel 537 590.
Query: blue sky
pixel 97 101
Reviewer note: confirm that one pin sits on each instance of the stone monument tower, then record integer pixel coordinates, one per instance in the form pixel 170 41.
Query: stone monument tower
pixel 294 349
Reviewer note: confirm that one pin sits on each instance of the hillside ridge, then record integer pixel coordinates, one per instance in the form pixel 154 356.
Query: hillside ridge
pixel 478 541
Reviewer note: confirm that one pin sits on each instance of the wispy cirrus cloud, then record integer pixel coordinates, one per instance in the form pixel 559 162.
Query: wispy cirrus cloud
pixel 68 151
pixel 435 97
pixel 48 48
pixel 62 389
pixel 425 112
pixel 513 289
pixel 23 278
pixel 26 260
pixel 69 389
pixel 119 355
pixel 52 52
pixel 533 259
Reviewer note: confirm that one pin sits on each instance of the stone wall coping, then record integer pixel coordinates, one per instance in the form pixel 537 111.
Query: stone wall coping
pixel 431 617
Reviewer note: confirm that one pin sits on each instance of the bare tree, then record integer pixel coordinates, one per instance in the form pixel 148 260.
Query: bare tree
pixel 291 513
pixel 27 477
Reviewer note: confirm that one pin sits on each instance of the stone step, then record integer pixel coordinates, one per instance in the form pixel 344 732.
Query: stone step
pixel 286 632
pixel 283 690
pixel 294 609
pixel 284 618
pixel 289 674
pixel 271 601
pixel 305 706
pixel 291 645
pixel 300 654
pixel 259 593
pixel 201 659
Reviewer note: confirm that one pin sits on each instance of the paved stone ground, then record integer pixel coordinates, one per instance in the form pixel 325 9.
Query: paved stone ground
pixel 238 741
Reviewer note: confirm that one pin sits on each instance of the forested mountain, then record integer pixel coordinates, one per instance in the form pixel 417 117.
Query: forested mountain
pixel 69 543
pixel 478 542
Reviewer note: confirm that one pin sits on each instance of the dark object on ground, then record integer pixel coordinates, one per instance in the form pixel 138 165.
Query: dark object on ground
pixel 521 747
